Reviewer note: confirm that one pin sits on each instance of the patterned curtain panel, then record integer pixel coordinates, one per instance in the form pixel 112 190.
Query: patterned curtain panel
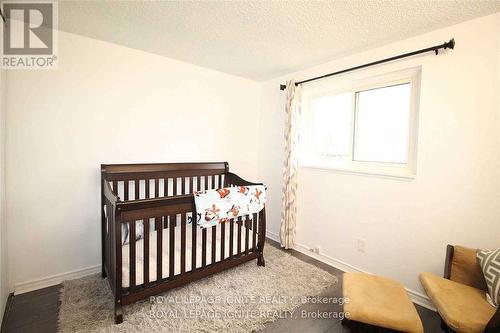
pixel 290 165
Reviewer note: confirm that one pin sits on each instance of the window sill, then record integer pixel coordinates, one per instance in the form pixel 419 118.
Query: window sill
pixel 392 174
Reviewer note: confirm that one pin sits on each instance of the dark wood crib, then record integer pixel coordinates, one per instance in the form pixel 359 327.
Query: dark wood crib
pixel 157 200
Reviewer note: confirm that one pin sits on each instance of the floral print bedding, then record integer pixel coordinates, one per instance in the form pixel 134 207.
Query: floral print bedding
pixel 219 205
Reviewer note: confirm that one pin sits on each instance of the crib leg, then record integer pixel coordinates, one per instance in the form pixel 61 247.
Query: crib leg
pixel 118 313
pixel 260 260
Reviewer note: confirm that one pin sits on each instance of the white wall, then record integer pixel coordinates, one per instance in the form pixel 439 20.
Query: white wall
pixel 455 197
pixel 108 104
pixel 498 106
pixel 4 285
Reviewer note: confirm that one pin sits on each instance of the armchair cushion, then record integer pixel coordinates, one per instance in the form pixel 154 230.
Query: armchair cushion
pixel 465 268
pixel 379 301
pixel 463 308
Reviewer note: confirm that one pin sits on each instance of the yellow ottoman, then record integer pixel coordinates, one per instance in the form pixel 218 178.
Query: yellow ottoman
pixel 379 301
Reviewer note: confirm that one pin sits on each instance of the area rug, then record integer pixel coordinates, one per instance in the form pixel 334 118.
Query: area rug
pixel 241 299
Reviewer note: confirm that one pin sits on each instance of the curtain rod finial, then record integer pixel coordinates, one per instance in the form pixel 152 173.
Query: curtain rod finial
pixel 282 86
pixel 450 44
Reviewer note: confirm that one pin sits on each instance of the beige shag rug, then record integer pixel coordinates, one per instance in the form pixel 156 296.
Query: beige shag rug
pixel 241 299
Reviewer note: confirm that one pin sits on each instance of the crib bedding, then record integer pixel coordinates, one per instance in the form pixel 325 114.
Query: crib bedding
pixel 177 258
pixel 217 205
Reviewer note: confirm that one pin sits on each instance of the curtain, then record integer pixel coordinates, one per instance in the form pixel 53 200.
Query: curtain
pixel 290 165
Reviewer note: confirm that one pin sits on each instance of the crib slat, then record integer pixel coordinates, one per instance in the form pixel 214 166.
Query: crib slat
pixel 198 183
pixel 238 252
pixel 171 243
pixel 204 247
pixel 254 231
pixel 165 187
pixel 146 251
pixel 115 187
pixel 125 190
pixel 247 232
pixel 146 188
pixel 174 191
pixel 183 243
pixel 194 245
pixel 231 237
pixel 219 185
pixel 136 190
pixel 183 185
pixel 190 186
pixel 214 241
pixel 165 222
pixel 157 187
pixel 222 241
pixel 159 248
pixel 131 247
pixel 206 182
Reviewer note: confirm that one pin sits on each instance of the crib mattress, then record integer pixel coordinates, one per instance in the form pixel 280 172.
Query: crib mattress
pixel 177 257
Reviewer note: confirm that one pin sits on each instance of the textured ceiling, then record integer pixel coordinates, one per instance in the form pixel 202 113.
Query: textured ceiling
pixel 260 39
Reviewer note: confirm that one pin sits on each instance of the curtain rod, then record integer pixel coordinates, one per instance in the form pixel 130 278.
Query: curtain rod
pixel 448 45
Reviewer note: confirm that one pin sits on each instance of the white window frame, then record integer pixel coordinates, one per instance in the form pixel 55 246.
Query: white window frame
pixel 353 84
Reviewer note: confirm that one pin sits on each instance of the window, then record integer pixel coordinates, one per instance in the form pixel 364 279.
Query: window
pixel 365 125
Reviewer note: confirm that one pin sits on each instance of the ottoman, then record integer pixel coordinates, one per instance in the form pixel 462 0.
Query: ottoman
pixel 379 301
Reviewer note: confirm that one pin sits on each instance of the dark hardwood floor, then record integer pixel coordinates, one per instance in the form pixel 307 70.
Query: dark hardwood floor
pixel 37 311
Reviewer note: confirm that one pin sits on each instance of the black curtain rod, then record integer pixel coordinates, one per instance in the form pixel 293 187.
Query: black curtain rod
pixel 448 45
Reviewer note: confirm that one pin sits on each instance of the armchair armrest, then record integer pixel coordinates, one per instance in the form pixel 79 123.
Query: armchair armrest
pixel 447 264
pixel 233 179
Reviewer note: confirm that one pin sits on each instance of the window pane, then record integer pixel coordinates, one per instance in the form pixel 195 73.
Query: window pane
pixel 382 124
pixel 332 123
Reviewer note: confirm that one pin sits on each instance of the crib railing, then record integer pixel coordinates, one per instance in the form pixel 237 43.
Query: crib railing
pixel 168 213
pixel 162 205
pixel 134 189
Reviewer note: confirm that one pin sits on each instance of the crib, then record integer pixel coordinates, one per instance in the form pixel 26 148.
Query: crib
pixel 156 202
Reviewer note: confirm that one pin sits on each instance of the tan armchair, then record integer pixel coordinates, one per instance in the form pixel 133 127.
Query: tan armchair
pixel 460 297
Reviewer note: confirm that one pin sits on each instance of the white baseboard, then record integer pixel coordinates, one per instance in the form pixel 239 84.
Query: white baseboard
pixel 24 287
pixel 273 236
pixel 416 297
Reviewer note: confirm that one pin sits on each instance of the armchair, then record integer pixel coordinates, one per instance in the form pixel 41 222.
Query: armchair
pixel 460 297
